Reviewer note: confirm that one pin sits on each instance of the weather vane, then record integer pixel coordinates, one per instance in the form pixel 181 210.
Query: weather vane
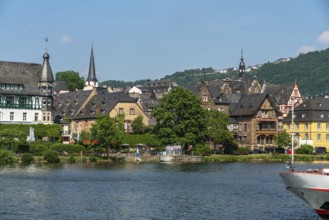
pixel 46 40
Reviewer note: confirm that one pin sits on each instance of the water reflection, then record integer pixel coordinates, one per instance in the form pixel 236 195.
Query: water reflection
pixel 149 191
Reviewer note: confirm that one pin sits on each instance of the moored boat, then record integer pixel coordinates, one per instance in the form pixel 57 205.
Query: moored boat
pixel 312 186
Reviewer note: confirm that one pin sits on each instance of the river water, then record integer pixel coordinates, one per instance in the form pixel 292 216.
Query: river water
pixel 150 191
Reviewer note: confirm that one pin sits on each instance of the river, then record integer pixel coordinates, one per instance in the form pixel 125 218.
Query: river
pixel 149 191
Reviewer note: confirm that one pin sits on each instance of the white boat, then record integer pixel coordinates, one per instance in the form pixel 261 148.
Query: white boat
pixel 167 158
pixel 312 186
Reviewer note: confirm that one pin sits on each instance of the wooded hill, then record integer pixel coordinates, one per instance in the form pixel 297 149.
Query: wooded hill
pixel 311 71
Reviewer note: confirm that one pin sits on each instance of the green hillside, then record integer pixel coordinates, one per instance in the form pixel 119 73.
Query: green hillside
pixel 311 71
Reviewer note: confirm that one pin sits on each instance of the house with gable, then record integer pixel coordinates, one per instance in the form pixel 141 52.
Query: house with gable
pixel 311 122
pixel 256 116
pixel 26 92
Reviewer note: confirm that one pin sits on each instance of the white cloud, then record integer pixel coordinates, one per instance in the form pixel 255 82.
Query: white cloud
pixel 324 38
pixel 66 39
pixel 306 48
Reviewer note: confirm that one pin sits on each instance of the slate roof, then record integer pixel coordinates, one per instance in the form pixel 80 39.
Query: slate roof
pixel 280 93
pixel 249 104
pixel 311 110
pixel 66 104
pixel 102 104
pixel 27 74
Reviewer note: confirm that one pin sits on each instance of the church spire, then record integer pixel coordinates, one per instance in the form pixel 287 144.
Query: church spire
pixel 46 73
pixel 242 67
pixel 92 80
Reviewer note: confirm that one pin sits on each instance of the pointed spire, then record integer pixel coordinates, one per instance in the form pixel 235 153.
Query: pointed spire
pixel 92 80
pixel 46 73
pixel 242 67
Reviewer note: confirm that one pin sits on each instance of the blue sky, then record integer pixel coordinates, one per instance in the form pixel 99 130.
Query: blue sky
pixel 148 39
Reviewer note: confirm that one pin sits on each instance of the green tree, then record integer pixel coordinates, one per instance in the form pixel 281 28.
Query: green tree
pixel 180 119
pixel 138 125
pixel 107 132
pixel 72 79
pixel 283 139
pixel 217 128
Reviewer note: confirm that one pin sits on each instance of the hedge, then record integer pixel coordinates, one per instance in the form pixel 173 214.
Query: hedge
pixel 68 148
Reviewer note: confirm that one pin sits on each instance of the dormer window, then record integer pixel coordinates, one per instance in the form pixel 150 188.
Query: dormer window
pixel 321 115
pixel 204 98
pixel 303 115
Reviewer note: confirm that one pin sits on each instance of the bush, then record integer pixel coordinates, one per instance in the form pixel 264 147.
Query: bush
pixel 51 156
pixel 69 148
pixel 201 150
pixel 242 151
pixel 6 156
pixel 304 149
pixel 37 149
pixel 71 159
pixel 92 159
pixel 230 149
pixel 27 158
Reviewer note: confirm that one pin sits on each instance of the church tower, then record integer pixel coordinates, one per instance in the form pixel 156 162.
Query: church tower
pixel 92 80
pixel 242 67
pixel 46 89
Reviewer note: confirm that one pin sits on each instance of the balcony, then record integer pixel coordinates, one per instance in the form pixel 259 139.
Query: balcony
pixel 20 106
pixel 263 131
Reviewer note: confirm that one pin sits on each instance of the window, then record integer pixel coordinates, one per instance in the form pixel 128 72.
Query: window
pixel 297 126
pixel 44 116
pixel 205 98
pixel 132 111
pixel 306 136
pixel 327 137
pixel 303 115
pixel 306 126
pixel 10 100
pixel 49 102
pixel 319 126
pixel 245 127
pixel 24 116
pixel 121 111
pixel 327 126
pixel 12 116
pixel 48 116
pixel 288 127
pixel 321 115
pixel 36 116
pixel 319 137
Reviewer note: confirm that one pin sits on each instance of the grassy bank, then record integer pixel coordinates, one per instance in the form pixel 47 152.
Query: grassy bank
pixel 265 158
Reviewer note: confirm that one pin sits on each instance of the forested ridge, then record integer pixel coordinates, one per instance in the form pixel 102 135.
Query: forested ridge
pixel 310 70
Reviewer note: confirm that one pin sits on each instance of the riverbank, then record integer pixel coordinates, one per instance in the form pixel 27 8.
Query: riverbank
pixel 212 158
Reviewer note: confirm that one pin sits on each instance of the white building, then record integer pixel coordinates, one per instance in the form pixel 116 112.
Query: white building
pixel 26 92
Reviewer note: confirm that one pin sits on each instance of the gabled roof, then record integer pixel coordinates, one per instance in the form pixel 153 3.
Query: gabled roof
pixel 26 74
pixel 249 104
pixel 311 110
pixel 66 104
pixel 103 104
pixel 280 93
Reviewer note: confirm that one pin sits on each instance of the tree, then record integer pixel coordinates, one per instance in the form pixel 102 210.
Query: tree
pixel 283 139
pixel 217 128
pixel 138 125
pixel 180 118
pixel 72 79
pixel 107 132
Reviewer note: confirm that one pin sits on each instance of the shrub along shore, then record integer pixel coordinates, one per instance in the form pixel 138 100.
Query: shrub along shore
pixel 6 157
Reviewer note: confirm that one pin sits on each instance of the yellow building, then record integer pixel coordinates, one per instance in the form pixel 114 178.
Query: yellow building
pixel 311 122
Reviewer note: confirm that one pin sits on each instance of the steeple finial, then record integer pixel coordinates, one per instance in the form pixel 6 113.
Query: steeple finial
pixel 46 40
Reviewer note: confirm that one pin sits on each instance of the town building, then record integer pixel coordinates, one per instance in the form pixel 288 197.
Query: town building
pixel 26 92
pixel 311 122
